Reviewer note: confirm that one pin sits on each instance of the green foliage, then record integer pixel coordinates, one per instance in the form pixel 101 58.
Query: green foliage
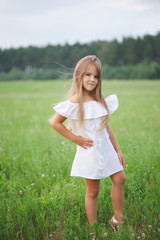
pixel 124 60
pixel 38 198
pixel 139 71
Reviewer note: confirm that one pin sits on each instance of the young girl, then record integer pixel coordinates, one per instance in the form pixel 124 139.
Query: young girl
pixel 98 153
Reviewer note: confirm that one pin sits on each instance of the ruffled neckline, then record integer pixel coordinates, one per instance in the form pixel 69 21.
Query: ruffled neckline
pixel 83 102
pixel 92 109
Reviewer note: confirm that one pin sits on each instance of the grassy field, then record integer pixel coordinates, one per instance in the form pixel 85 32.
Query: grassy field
pixel 38 198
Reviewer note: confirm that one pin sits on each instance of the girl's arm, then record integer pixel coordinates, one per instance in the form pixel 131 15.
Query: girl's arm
pixel 56 123
pixel 115 145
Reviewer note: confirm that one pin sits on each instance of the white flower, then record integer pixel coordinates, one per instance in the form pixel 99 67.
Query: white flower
pixel 43 175
pixel 20 192
pixel 32 184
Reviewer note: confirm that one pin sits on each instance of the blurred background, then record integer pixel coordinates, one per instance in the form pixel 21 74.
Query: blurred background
pixel 45 39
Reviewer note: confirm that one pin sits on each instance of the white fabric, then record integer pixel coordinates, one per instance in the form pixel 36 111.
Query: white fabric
pixel 100 160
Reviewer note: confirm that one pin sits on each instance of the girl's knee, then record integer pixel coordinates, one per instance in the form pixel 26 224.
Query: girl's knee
pixel 93 193
pixel 123 178
pixel 119 178
pixel 92 188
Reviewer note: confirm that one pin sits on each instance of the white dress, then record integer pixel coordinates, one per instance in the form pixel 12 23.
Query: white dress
pixel 100 160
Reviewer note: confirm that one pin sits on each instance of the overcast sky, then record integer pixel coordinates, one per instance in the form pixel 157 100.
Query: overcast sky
pixel 38 23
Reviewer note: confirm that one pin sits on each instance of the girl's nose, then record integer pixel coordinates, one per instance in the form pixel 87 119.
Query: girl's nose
pixel 92 78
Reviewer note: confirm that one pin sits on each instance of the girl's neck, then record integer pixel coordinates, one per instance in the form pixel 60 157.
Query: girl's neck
pixel 87 96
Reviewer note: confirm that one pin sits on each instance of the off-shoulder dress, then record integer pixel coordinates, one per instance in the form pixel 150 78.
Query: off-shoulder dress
pixel 100 160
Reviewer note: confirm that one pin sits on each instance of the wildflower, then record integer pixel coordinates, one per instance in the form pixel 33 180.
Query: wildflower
pixel 150 226
pixel 126 165
pixel 20 192
pixel 32 184
pixel 122 129
pixel 50 235
pixel 54 175
pixel 62 143
pixel 143 234
pixel 43 175
pixel 134 147
pixel 138 237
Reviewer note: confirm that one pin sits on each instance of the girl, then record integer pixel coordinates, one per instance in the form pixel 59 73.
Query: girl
pixel 98 153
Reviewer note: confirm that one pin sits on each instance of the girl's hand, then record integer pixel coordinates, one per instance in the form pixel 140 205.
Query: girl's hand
pixel 83 142
pixel 121 158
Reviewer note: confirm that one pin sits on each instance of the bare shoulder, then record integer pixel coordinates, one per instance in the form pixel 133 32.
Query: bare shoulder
pixel 74 99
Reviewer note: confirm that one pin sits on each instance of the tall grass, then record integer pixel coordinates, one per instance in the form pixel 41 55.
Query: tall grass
pixel 38 198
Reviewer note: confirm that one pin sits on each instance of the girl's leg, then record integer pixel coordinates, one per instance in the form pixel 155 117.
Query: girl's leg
pixel 92 190
pixel 117 194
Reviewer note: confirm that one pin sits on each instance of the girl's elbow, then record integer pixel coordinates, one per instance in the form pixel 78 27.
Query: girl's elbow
pixel 56 122
pixel 53 124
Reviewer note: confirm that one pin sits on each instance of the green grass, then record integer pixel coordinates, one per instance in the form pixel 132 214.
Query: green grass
pixel 52 207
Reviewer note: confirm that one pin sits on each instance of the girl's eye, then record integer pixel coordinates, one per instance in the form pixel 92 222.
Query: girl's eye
pixel 87 74
pixel 96 77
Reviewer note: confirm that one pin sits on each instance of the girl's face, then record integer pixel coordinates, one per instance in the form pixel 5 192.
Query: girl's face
pixel 90 79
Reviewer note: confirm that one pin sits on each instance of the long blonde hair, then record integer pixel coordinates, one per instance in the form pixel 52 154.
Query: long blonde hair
pixel 76 89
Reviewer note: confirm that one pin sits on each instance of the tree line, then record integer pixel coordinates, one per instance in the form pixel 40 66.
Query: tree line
pixel 131 58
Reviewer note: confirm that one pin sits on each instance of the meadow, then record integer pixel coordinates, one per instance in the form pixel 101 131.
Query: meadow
pixel 39 200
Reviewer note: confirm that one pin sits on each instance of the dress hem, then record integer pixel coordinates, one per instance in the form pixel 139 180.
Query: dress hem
pixel 110 174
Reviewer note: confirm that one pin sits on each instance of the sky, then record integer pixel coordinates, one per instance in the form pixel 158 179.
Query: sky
pixel 39 23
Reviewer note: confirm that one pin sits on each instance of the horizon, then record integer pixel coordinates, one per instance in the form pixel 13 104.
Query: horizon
pixel 78 42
